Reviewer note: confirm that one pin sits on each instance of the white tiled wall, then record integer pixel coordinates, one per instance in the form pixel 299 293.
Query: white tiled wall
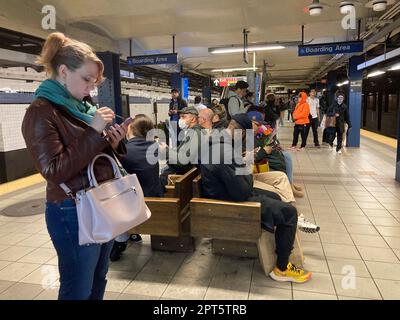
pixel 11 116
pixel 147 109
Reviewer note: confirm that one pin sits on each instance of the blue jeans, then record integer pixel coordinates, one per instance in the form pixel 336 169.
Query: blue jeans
pixel 82 269
pixel 289 165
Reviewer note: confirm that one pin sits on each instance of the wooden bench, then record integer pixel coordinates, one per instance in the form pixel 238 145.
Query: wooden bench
pixel 169 225
pixel 235 227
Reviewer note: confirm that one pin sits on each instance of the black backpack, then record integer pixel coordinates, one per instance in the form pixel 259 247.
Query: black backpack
pixel 225 102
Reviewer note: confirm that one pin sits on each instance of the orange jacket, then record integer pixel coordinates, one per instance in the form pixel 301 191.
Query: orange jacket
pixel 302 111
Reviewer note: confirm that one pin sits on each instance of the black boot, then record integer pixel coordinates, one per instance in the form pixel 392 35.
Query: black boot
pixel 136 238
pixel 117 250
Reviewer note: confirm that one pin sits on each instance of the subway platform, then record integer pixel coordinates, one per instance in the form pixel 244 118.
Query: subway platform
pixel 356 255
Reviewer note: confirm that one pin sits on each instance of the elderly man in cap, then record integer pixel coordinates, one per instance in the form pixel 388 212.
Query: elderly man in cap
pixel 186 155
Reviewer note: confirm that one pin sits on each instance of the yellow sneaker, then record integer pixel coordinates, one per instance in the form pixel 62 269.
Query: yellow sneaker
pixel 291 274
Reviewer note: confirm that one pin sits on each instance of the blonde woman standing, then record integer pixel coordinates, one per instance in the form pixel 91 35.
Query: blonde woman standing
pixel 63 134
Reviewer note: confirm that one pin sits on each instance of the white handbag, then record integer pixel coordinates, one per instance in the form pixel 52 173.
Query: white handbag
pixel 109 209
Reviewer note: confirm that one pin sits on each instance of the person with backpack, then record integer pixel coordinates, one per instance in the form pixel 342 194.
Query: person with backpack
pixel 234 103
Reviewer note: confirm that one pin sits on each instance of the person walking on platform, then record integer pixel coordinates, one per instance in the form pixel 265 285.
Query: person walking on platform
pixel 63 134
pixel 282 107
pixel 271 112
pixel 342 116
pixel 177 103
pixel 315 118
pixel 301 118
pixel 291 106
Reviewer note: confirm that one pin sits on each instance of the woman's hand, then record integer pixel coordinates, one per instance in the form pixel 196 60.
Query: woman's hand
pixel 102 118
pixel 162 147
pixel 116 134
pixel 268 149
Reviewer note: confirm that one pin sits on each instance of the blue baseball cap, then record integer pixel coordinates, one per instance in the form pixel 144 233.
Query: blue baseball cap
pixel 256 116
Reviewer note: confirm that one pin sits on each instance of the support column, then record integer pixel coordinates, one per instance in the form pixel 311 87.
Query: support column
pixel 253 79
pixel 110 89
pixel 182 84
pixel 355 101
pixel 207 92
pixel 331 86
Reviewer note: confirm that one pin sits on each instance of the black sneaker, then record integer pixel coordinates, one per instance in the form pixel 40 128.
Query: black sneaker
pixel 117 250
pixel 136 238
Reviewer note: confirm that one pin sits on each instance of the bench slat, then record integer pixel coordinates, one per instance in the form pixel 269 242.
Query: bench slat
pixel 165 218
pixel 225 220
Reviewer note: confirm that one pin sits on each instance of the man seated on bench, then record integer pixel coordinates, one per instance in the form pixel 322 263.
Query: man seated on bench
pixel 228 181
pixel 183 158
pixel 274 181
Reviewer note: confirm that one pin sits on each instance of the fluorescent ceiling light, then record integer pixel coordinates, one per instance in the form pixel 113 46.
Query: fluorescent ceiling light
pixel 343 83
pixel 394 67
pixel 375 73
pixel 316 11
pixel 346 7
pixel 233 69
pixel 249 49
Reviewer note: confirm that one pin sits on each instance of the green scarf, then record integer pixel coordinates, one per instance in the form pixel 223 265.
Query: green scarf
pixel 53 91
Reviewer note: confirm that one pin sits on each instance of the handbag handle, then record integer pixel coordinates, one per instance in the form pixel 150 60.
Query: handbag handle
pixel 90 171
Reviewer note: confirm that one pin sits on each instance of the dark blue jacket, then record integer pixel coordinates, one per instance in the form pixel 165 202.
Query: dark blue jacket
pixel 135 162
pixel 222 182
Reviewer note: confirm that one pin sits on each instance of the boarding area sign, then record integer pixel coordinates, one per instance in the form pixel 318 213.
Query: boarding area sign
pixel 154 59
pixel 331 48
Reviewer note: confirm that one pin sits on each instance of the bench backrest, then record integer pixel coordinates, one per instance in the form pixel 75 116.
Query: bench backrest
pixel 184 186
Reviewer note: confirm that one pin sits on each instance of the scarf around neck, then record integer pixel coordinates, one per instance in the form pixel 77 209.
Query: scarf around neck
pixel 53 91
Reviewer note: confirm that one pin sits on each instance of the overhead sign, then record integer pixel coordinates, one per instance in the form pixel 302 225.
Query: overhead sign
pixel 331 48
pixel 228 82
pixel 169 58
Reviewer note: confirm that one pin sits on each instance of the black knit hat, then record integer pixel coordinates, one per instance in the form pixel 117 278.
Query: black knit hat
pixel 243 120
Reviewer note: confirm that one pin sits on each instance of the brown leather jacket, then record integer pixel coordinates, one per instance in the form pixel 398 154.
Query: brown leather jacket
pixel 62 147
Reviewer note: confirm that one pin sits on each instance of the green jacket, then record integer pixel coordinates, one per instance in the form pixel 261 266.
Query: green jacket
pixel 188 152
pixel 276 159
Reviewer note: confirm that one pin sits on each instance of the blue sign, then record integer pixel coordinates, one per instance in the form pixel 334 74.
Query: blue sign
pixel 127 74
pixel 185 88
pixel 331 48
pixel 169 58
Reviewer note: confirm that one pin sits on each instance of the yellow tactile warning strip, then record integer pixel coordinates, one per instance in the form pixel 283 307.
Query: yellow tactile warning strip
pixel 379 138
pixel 20 184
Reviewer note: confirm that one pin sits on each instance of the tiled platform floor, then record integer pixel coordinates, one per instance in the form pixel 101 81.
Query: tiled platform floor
pixel 353 197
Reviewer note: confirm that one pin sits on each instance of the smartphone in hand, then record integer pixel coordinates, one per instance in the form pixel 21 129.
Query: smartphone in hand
pixel 127 121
